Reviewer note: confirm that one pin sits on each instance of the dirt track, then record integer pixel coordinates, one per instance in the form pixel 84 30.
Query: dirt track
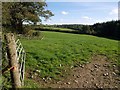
pixel 99 73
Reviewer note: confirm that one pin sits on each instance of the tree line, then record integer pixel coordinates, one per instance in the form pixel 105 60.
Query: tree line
pixel 110 29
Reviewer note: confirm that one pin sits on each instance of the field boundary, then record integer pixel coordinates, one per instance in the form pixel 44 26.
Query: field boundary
pixel 16 56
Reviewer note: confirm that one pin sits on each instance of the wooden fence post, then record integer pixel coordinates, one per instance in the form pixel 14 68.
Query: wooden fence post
pixel 12 56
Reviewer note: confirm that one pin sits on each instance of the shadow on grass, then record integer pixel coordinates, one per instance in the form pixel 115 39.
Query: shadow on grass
pixel 117 37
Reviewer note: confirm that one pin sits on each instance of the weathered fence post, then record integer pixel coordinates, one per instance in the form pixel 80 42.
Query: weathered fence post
pixel 12 56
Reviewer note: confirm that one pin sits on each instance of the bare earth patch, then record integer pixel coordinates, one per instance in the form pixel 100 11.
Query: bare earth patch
pixel 99 73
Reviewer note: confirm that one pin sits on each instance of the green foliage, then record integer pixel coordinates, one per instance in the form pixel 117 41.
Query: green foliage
pixel 56 53
pixel 28 31
pixel 5 78
pixel 32 33
pixel 109 29
pixel 15 13
pixel 6 81
pixel 36 34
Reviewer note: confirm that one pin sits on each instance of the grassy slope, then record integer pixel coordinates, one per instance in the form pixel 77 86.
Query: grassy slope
pixel 57 52
pixel 62 29
pixel 54 28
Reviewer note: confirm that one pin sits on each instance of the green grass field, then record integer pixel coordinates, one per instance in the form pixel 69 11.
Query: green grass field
pixel 61 29
pixel 57 52
pixel 53 28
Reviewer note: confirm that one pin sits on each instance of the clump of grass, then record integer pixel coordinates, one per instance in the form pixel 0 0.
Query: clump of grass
pixel 29 83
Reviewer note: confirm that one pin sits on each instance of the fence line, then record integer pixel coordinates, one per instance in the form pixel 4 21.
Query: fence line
pixel 21 55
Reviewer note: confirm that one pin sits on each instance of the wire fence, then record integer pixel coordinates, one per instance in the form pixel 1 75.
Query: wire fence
pixel 21 56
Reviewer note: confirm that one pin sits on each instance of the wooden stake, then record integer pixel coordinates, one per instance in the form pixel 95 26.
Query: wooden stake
pixel 12 56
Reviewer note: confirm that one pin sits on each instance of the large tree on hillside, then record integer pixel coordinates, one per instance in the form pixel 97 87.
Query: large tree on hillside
pixel 15 13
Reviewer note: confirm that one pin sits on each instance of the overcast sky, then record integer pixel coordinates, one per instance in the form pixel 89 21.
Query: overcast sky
pixel 82 12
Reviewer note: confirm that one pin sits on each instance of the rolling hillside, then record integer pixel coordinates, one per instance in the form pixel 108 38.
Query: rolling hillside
pixel 55 55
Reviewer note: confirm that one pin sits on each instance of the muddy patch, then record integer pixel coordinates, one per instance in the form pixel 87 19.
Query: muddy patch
pixel 99 73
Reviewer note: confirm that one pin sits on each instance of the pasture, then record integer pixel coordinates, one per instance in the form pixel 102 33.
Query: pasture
pixel 57 53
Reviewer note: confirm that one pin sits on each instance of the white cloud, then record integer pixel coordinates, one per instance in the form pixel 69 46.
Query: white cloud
pixel 86 17
pixel 114 11
pixel 64 12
